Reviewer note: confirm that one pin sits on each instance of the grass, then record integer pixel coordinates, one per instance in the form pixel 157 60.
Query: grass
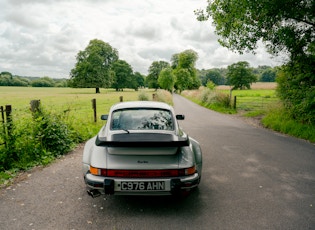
pixel 278 120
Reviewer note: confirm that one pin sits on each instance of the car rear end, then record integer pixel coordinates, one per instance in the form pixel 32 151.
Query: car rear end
pixel 140 151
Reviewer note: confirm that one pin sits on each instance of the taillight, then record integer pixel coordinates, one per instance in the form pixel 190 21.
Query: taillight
pixel 142 173
pixel 190 171
pixel 187 171
pixel 98 171
pixel 94 171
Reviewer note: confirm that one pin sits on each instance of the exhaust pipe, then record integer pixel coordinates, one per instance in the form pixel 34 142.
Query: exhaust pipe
pixel 93 193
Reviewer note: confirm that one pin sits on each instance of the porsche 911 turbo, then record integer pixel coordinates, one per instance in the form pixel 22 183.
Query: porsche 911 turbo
pixel 141 150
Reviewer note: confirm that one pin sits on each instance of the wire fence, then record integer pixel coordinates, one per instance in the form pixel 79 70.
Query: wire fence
pixel 254 103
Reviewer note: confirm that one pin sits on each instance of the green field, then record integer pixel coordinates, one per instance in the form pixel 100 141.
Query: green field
pixel 61 99
pixel 254 101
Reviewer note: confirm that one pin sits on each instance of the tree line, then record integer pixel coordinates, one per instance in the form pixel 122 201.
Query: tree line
pixel 180 74
pixel 98 66
pixel 8 79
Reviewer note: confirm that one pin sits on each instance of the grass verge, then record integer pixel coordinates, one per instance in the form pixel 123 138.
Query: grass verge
pixel 278 120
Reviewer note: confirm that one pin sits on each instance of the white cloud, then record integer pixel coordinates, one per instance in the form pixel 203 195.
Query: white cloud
pixel 42 37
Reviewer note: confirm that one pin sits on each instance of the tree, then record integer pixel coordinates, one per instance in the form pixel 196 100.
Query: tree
pixel 240 75
pixel 154 72
pixel 123 74
pixel 184 63
pixel 43 82
pixel 182 79
pixel 166 79
pixel 214 76
pixel 139 78
pixel 5 73
pixel 92 69
pixel 296 88
pixel 268 75
pixel 284 25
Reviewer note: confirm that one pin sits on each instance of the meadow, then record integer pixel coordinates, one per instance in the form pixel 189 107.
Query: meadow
pixel 254 101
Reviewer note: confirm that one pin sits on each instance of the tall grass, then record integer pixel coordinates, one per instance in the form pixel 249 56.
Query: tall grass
pixel 211 99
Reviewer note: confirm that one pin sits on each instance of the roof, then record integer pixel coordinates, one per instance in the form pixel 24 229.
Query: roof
pixel 141 104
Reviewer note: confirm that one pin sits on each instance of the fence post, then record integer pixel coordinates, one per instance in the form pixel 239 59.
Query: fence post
pixel 234 103
pixel 8 110
pixel 2 113
pixel 94 109
pixel 35 104
pixel 3 126
pixel 121 98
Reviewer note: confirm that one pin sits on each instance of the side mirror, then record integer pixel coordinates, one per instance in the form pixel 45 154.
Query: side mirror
pixel 104 117
pixel 180 117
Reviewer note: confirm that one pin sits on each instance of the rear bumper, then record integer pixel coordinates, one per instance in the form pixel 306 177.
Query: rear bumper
pixel 112 186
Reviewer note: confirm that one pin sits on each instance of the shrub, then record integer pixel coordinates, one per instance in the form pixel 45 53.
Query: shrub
pixel 210 85
pixel 164 96
pixel 53 134
pixel 210 97
pixel 204 95
pixel 143 96
pixel 296 89
pixel 37 140
pixel 222 99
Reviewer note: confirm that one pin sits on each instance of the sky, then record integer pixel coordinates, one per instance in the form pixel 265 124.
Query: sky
pixel 42 37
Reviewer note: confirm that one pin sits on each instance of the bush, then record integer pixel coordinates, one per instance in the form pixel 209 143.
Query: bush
pixel 210 85
pixel 37 139
pixel 210 97
pixel 52 133
pixel 143 96
pixel 164 96
pixel 222 99
pixel 296 89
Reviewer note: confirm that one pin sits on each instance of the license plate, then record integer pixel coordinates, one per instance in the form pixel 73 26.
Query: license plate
pixel 142 185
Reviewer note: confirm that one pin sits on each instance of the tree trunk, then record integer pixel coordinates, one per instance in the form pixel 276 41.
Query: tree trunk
pixel 97 90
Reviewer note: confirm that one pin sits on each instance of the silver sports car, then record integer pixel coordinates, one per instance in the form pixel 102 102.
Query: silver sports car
pixel 141 150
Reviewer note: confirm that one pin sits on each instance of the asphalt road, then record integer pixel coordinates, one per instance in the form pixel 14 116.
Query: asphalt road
pixel 252 178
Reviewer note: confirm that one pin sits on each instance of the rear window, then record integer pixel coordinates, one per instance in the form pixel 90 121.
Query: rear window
pixel 142 119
